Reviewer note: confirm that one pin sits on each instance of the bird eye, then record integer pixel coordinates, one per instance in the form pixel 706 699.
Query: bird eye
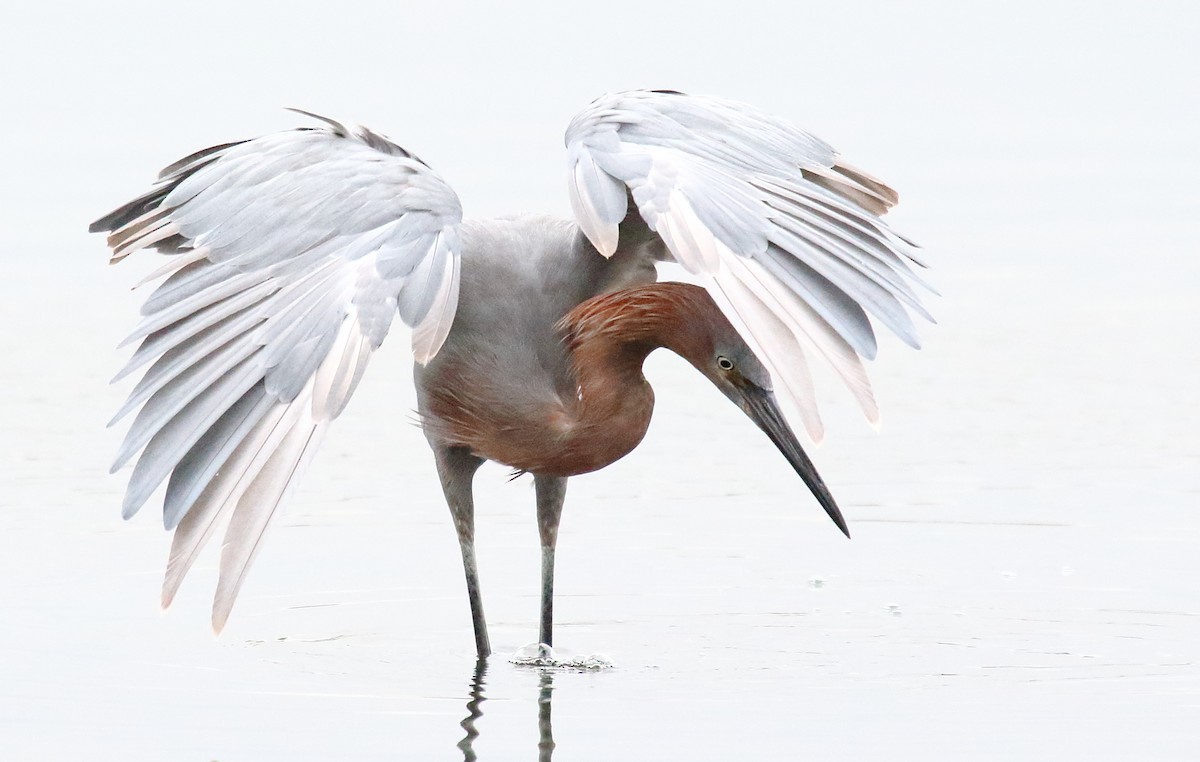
pixel 724 363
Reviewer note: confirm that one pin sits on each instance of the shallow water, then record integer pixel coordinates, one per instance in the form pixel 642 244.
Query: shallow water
pixel 1022 582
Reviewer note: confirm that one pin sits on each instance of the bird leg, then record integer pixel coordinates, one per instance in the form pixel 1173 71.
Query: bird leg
pixel 457 466
pixel 551 491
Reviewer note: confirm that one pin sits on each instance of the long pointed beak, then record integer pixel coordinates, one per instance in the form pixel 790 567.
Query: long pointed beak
pixel 763 409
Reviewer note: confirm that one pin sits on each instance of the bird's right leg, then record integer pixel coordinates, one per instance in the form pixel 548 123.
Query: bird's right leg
pixel 457 466
pixel 551 491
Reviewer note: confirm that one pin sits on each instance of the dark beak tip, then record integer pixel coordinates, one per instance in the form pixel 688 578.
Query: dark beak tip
pixel 760 405
pixel 838 519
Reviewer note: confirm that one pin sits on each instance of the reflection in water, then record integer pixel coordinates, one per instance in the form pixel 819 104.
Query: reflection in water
pixel 475 711
pixel 545 731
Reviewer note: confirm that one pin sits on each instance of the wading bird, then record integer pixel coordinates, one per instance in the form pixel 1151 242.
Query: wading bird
pixel 290 254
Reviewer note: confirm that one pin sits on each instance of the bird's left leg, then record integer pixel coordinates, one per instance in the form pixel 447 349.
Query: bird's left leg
pixel 551 491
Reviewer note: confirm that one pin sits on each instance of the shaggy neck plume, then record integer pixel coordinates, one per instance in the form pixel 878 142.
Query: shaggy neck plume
pixel 609 338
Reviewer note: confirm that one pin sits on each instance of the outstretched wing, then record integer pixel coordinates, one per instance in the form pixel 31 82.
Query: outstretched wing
pixel 785 236
pixel 288 256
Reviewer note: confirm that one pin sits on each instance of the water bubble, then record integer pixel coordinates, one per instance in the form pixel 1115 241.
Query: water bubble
pixel 816 582
pixel 531 652
pixel 593 661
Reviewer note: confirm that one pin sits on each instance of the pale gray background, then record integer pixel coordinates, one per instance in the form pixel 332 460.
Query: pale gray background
pixel 1023 578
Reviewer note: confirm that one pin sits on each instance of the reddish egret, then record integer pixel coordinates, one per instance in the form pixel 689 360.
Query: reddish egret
pixel 289 255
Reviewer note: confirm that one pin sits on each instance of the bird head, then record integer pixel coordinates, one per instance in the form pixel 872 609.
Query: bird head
pixel 715 348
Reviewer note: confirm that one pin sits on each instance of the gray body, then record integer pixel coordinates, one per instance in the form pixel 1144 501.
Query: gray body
pixel 513 353
pixel 544 266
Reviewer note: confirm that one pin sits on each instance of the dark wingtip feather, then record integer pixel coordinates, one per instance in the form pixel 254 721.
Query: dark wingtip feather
pixel 187 161
pixel 131 210
pixel 110 221
pixel 169 177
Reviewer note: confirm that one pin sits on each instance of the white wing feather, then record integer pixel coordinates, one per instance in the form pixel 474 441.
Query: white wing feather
pixel 289 256
pixel 786 237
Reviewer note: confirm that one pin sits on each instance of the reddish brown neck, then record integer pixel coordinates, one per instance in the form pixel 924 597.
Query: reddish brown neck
pixel 609 338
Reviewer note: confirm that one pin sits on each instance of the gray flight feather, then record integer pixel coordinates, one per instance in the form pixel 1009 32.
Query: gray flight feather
pixel 785 235
pixel 291 253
